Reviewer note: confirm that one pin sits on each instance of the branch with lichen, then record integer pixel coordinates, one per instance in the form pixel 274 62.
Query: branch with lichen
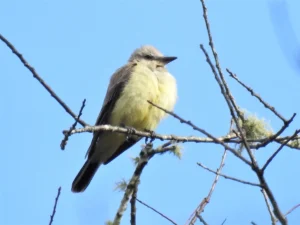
pixel 243 127
pixel 145 155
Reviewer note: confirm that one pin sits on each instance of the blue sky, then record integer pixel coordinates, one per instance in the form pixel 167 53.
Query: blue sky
pixel 75 46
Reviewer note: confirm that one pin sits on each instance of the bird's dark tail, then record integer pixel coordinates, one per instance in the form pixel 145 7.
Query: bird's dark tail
pixel 85 175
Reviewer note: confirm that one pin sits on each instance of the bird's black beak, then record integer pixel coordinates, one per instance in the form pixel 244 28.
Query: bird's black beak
pixel 166 59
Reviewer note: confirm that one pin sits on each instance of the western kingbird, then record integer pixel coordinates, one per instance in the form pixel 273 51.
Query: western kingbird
pixel 144 78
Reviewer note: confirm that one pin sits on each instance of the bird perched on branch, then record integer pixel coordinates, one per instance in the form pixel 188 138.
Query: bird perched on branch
pixel 144 78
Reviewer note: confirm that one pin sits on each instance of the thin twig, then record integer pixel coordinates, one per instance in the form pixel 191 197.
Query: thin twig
pixel 292 209
pixel 266 105
pixel 206 200
pixel 229 103
pixel 273 218
pixel 227 147
pixel 202 220
pixel 271 197
pixel 54 207
pixel 42 82
pixel 67 134
pixel 273 137
pixel 278 150
pixel 229 177
pixel 224 221
pixel 225 90
pixel 153 209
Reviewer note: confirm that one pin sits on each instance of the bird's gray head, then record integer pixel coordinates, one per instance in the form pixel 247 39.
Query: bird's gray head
pixel 148 53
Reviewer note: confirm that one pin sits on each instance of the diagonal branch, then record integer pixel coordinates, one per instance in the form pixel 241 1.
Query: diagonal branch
pixel 216 140
pixel 273 137
pixel 229 102
pixel 145 155
pixel 292 209
pixel 54 207
pixel 132 184
pixel 42 82
pixel 206 200
pixel 278 150
pixel 153 209
pixel 273 218
pixel 266 105
pixel 226 93
pixel 202 220
pixel 67 134
pixel 229 177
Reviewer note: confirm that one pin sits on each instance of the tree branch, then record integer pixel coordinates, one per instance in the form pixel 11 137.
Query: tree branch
pixel 145 155
pixel 273 219
pixel 42 82
pixel 54 207
pixel 67 134
pixel 265 104
pixel 278 150
pixel 159 213
pixel 229 177
pixel 133 206
pixel 206 200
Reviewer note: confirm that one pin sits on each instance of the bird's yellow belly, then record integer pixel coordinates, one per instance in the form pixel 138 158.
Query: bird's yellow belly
pixel 132 108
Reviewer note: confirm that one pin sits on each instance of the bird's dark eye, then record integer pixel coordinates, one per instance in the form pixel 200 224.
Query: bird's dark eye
pixel 148 57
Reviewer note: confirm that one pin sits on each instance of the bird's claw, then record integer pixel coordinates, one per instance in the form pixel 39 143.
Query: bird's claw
pixel 152 136
pixel 130 131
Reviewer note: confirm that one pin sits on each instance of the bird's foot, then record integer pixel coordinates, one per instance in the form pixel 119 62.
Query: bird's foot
pixel 151 138
pixel 130 131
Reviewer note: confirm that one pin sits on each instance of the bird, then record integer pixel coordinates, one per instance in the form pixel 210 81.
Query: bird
pixel 143 78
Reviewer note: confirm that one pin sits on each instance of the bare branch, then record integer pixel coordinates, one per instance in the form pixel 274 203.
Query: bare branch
pixel 54 207
pixel 273 137
pixel 170 137
pixel 278 150
pixel 273 218
pixel 229 177
pixel 229 103
pixel 223 85
pixel 271 197
pixel 67 134
pixel 206 200
pixel 42 82
pixel 230 138
pixel 292 209
pixel 202 220
pixel 266 105
pixel 153 209
pixel 224 221
pixel 216 140
pixel 226 93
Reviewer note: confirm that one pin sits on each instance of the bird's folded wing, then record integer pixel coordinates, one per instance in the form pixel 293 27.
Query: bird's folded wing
pixel 116 86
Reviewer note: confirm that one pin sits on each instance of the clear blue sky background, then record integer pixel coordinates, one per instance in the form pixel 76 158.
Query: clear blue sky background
pixel 76 45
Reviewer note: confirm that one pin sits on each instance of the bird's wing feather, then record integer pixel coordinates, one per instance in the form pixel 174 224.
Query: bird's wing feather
pixel 115 88
pixel 127 144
